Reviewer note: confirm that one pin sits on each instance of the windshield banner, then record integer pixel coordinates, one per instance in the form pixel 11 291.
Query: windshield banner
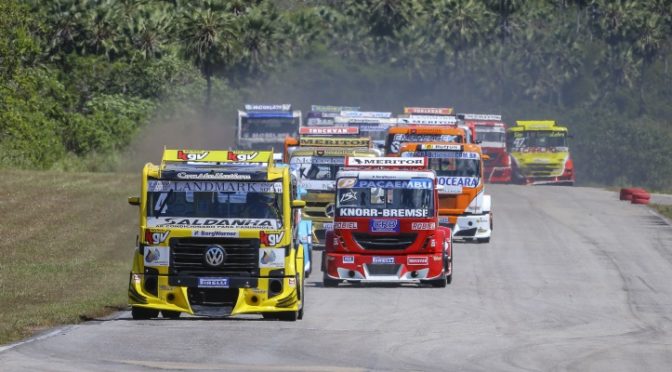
pixel 484 117
pixel 365 114
pixel 328 130
pixel 429 110
pixel 448 154
pixel 458 181
pixel 282 107
pixel 336 142
pixel 372 212
pixel 213 186
pixel 327 108
pixel 418 184
pixel 330 160
pixel 214 223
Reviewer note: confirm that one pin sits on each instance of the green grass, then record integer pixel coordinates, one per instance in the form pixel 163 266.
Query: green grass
pixel 66 248
pixel 665 210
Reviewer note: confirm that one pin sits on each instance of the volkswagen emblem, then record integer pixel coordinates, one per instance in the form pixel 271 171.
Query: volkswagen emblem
pixel 330 210
pixel 215 256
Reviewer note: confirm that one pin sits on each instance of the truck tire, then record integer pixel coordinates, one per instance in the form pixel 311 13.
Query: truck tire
pixel 483 240
pixel 440 282
pixel 141 313
pixel 169 314
pixel 288 316
pixel 327 282
pixel 302 296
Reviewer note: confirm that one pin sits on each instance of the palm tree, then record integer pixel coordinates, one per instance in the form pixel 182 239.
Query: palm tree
pixel 209 38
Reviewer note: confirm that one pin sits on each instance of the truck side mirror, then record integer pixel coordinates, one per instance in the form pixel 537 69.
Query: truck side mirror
pixel 298 204
pixel 134 200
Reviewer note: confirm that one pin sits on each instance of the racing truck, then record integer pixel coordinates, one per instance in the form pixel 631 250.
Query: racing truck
pixel 540 154
pixel 372 124
pixel 398 136
pixel 321 115
pixel 386 226
pixel 490 133
pixel 317 160
pixel 217 237
pixel 265 126
pixel 463 204
pixel 435 116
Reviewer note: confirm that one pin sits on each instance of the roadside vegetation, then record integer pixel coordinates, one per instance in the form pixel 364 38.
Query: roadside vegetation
pixel 665 210
pixel 67 244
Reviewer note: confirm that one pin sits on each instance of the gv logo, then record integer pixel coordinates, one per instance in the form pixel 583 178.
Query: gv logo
pixel 152 238
pixel 271 239
pixel 241 157
pixel 191 156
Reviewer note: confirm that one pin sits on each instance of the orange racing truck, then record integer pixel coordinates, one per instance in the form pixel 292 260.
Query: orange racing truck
pixel 398 136
pixel 463 204
pixel 386 226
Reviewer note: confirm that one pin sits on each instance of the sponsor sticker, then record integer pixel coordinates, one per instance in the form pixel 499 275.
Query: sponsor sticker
pixel 157 256
pixel 346 183
pixel 292 282
pixel 444 219
pixel 345 225
pixel 337 142
pixel 153 237
pixel 262 107
pixel 451 189
pixel 382 260
pixel 384 226
pixel 214 223
pixel 271 239
pixel 213 186
pixel 272 257
pixel 423 226
pixel 212 176
pixel 417 260
pixel 348 259
pixel 235 156
pixel 328 130
pixel 417 183
pixel 372 212
pixel 328 226
pixel 447 147
pixel 215 234
pixel 213 282
pixel 429 110
pixel 486 117
pixel 458 181
pixel 187 155
pixel 354 161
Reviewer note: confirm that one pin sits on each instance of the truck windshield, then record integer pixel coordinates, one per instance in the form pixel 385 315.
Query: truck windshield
pixel 317 168
pixel 385 198
pixel 487 134
pixel 213 200
pixel 537 139
pixel 271 128
pixel 452 163
pixel 394 141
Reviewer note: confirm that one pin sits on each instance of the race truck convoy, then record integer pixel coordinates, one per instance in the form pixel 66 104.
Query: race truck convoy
pixel 265 126
pixel 317 160
pixel 540 153
pixel 217 237
pixel 490 133
pixel 463 204
pixel 398 136
pixel 386 225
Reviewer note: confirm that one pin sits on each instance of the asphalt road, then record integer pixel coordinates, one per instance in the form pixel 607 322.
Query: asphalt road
pixel 572 280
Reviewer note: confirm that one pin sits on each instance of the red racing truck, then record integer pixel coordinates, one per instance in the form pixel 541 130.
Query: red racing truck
pixel 490 133
pixel 386 226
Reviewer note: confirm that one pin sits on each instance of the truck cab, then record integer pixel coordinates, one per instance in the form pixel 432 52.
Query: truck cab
pixel 265 126
pixel 398 136
pixel 490 133
pixel 386 226
pixel 540 153
pixel 217 237
pixel 463 204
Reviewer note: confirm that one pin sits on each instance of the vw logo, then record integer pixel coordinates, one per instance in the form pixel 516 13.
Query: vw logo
pixel 330 210
pixel 214 256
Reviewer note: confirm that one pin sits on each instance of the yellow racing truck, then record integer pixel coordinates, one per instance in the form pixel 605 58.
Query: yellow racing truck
pixel 539 153
pixel 217 237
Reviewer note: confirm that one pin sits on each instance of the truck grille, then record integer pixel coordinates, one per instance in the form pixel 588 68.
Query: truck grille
pixel 213 296
pixel 382 242
pixel 543 169
pixel 187 256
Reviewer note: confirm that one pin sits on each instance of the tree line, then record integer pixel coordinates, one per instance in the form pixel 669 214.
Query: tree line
pixel 80 77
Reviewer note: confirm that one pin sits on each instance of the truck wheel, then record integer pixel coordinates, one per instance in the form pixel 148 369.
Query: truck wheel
pixel 449 278
pixel 441 282
pixel 288 316
pixel 170 314
pixel 483 240
pixel 141 313
pixel 328 282
pixel 302 296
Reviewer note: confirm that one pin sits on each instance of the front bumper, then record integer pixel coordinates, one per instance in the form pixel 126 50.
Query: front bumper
pixel 243 295
pixel 470 227
pixel 410 268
